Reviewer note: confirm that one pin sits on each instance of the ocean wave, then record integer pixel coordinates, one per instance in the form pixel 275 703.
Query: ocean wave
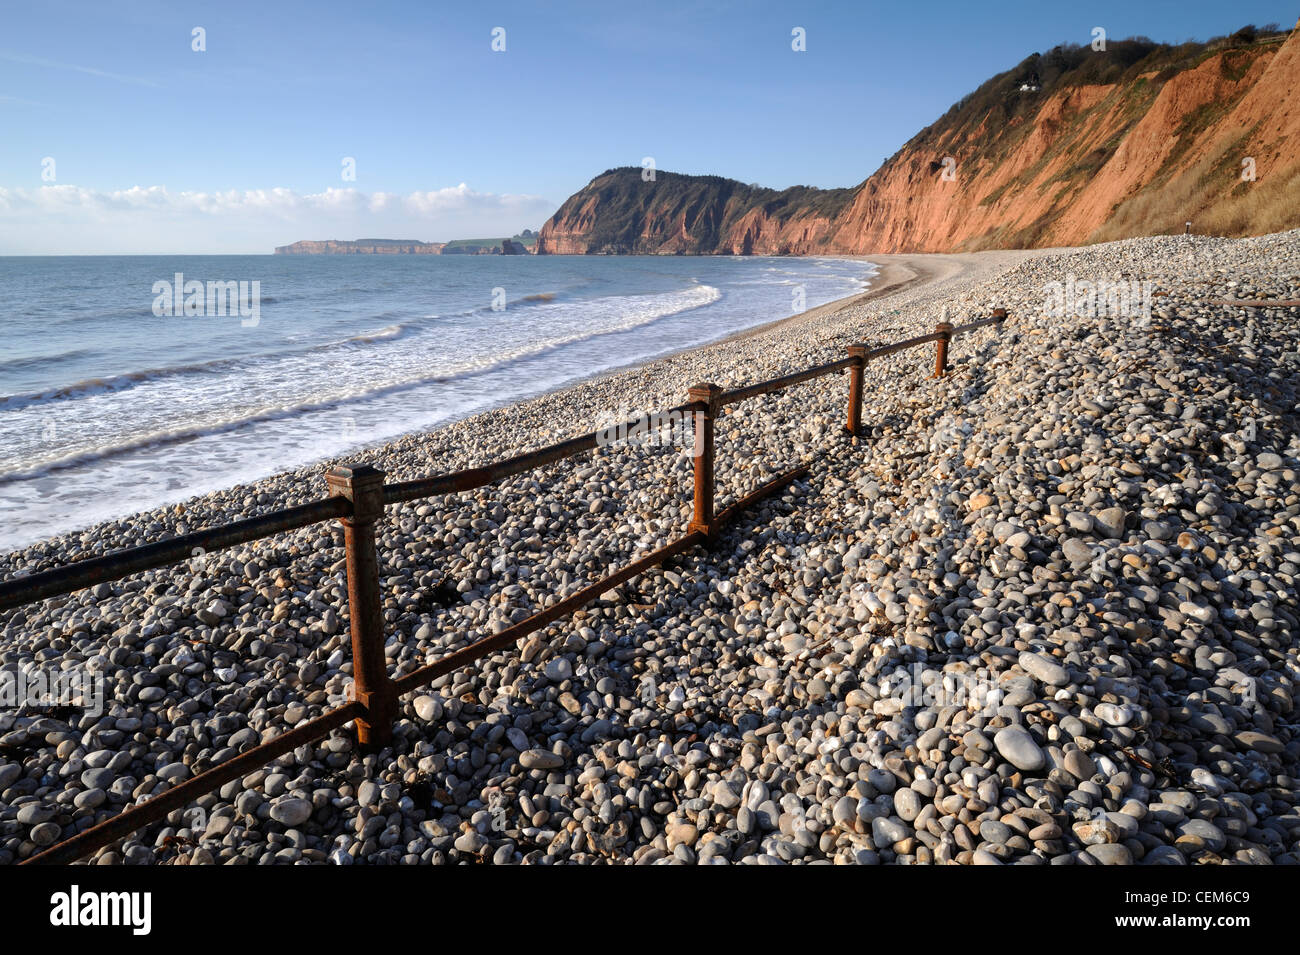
pixel 358 389
pixel 39 361
pixel 89 387
pixel 388 331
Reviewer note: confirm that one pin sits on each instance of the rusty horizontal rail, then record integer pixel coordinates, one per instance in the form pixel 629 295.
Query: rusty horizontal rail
pixel 907 343
pixel 785 381
pixel 123 563
pixel 158 807
pixel 996 319
pixel 830 368
pixel 472 478
pixel 761 492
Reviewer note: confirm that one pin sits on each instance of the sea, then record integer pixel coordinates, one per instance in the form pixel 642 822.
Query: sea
pixel 130 382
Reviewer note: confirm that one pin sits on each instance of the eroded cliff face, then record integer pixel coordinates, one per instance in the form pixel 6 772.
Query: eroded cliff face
pixel 1099 162
pixel 1074 164
pixel 621 212
pixel 757 233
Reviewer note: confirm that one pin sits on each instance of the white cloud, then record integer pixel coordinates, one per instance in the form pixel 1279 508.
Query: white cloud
pixel 69 219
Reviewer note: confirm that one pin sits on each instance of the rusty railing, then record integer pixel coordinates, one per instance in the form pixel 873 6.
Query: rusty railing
pixel 358 497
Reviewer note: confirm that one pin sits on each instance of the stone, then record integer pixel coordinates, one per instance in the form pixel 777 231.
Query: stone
pixel 291 811
pixel 540 759
pixel 1110 522
pixel 470 842
pixel 681 834
pixel 1018 747
pixel 558 669
pixel 1113 714
pixel 907 804
pixel 46 834
pixel 1079 521
pixel 724 797
pixel 428 708
pixel 101 778
pixel 1044 669
pixel 1079 764
pixel 996 832
pixel 1260 742
pixel 887 830
pixel 1110 854
pixel 845 811
pixel 1198 834
pixel 1097 831
pixel 90 799
pixel 33 814
pixel 1164 855
pixel 1076 551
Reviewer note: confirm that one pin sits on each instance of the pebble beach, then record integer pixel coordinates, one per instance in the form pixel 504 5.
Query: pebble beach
pixel 1043 613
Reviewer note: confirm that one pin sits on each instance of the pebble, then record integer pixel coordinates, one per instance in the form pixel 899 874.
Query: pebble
pixel 1019 748
pixel 907 804
pixel 33 814
pixel 291 811
pixel 1110 522
pixel 1110 854
pixel 1076 551
pixel 540 759
pixel 428 708
pixel 1044 669
pixel 1079 764
pixel 1195 834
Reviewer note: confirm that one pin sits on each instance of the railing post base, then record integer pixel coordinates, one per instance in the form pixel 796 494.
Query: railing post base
pixel 363 485
pixel 941 358
pixel 854 424
pixel 705 397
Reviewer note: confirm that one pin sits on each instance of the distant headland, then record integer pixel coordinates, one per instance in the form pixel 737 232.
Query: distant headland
pixel 525 243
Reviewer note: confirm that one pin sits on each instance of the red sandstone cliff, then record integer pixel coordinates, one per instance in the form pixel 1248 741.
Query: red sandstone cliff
pixel 1175 137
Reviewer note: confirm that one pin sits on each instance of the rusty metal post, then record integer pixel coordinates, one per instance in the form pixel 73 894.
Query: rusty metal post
pixel 943 329
pixel 859 354
pixel 1000 313
pixel 363 485
pixel 705 395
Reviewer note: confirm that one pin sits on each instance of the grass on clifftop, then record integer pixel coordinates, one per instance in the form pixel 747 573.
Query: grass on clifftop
pixel 1134 63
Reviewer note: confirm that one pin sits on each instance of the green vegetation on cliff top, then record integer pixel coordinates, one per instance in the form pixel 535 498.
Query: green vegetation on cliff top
pixel 987 123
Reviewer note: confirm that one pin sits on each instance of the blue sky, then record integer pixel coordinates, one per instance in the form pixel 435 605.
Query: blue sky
pixel 159 148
